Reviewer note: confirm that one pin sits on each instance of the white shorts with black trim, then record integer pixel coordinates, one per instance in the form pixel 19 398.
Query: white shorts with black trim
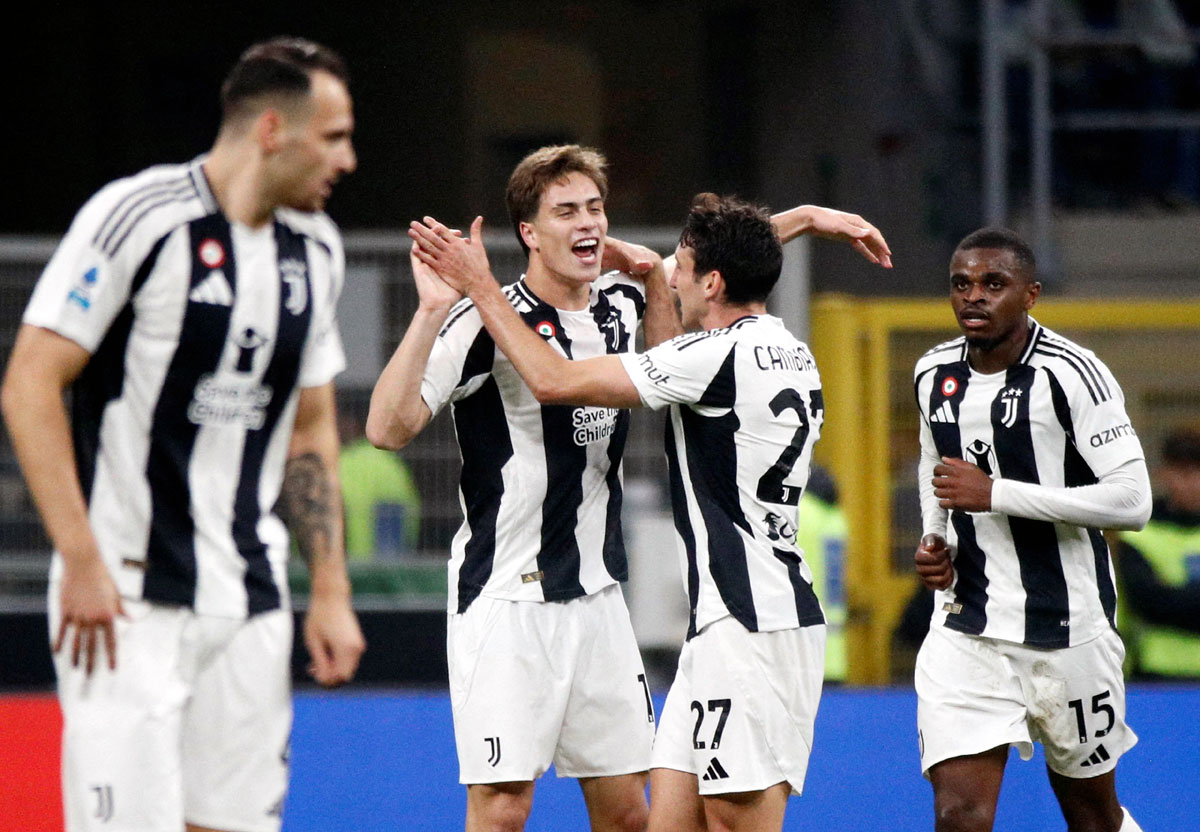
pixel 538 682
pixel 974 694
pixel 192 725
pixel 740 712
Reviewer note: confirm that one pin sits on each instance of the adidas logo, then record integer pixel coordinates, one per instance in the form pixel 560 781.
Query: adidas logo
pixel 213 289
pixel 943 414
pixel 715 771
pixel 1100 755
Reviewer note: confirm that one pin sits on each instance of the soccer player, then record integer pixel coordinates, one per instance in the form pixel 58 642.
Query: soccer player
pixel 746 408
pixel 190 311
pixel 1026 453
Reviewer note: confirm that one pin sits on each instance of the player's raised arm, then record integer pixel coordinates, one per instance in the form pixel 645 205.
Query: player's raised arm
pixel 832 224
pixel 398 412
pixel 553 379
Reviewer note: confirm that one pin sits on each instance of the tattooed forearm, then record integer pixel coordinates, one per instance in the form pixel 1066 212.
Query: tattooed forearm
pixel 306 505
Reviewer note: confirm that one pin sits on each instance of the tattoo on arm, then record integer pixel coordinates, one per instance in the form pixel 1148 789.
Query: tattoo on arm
pixel 306 505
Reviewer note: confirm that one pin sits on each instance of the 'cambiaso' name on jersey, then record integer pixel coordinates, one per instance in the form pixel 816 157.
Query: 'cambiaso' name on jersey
pixel 541 484
pixel 200 334
pixel 746 410
pixel 1056 417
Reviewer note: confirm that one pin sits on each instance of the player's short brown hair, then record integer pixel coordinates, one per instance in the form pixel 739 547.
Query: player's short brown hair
pixel 281 66
pixel 543 168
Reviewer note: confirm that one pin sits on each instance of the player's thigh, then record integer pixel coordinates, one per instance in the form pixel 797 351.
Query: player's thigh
pixel 492 806
pixel 121 764
pixel 1089 802
pixel 1076 701
pixel 965 789
pixel 236 728
pixel 608 725
pixel 760 811
pixel 968 700
pixel 751 701
pixel 675 802
pixel 508 688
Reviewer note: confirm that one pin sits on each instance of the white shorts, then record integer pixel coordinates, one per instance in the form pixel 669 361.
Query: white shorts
pixel 192 726
pixel 740 712
pixel 974 694
pixel 560 681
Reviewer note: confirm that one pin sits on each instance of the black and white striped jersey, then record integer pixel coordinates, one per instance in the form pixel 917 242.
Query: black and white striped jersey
pixel 201 333
pixel 1057 418
pixel 746 410
pixel 541 484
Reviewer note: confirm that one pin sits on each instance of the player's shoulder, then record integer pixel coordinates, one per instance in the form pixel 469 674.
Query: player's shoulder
pixel 158 197
pixel 947 352
pixel 463 320
pixel 316 225
pixel 1070 362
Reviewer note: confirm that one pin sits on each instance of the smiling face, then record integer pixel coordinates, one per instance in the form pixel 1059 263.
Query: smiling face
pixel 566 237
pixel 992 293
pixel 315 148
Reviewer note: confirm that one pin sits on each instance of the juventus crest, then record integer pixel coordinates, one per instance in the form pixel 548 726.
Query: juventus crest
pixel 1010 400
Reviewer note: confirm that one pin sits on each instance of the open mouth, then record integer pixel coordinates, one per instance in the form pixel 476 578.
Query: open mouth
pixel 973 319
pixel 587 249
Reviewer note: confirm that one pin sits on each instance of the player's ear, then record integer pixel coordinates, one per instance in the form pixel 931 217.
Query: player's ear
pixel 714 285
pixel 528 235
pixel 268 130
pixel 1031 294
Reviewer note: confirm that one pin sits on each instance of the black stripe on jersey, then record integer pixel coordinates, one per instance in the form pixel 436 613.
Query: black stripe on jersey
pixel 808 608
pixel 171 552
pixel 683 524
pixel 485 443
pixel 203 188
pixel 712 461
pixel 183 193
pixel 128 203
pixel 632 294
pixel 1077 472
pixel 280 377
pixel 103 379
pixel 566 462
pixel 970 588
pixel 616 340
pixel 1035 541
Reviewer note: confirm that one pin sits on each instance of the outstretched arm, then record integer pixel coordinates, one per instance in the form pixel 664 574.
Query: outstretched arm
pixel 832 224
pixel 310 504
pixel 661 322
pixel 463 264
pixel 398 413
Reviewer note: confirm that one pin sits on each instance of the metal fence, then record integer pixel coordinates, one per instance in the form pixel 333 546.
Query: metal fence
pixel 378 302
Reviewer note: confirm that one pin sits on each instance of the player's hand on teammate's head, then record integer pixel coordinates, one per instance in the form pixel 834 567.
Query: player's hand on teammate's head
pixel 934 565
pixel 851 228
pixel 632 259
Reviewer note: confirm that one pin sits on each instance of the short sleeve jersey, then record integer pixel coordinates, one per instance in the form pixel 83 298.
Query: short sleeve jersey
pixel 1056 417
pixel 201 333
pixel 540 484
pixel 745 411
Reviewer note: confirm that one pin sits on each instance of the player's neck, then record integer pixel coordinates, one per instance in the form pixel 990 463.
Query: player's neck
pixel 557 290
pixel 720 315
pixel 995 358
pixel 235 174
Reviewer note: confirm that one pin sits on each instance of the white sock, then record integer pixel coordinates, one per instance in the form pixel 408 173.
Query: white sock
pixel 1129 824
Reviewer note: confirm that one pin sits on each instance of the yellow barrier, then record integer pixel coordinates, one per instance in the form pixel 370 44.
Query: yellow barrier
pixel 866 348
